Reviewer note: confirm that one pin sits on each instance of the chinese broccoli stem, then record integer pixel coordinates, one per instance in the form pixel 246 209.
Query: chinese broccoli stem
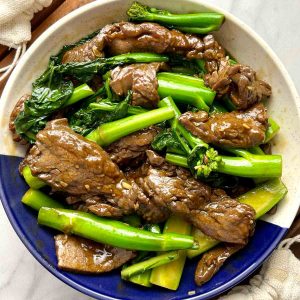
pixel 132 110
pixel 144 277
pixel 111 232
pixel 33 181
pixel 262 166
pixel 201 23
pixel 169 275
pixel 149 264
pixel 37 199
pixel 184 91
pixel 262 198
pixel 107 133
pixel 79 93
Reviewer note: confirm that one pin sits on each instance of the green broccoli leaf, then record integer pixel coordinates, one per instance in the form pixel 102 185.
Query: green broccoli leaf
pixel 165 139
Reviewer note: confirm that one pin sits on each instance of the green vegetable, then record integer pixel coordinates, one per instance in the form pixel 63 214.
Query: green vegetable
pixel 165 139
pixel 111 232
pixel 183 89
pixel 272 130
pixel 33 181
pixel 200 23
pixel 149 264
pixel 84 71
pixel 263 166
pixel 144 278
pixel 262 198
pixel 79 93
pixel 169 275
pixel 107 133
pixel 36 200
pixel 104 106
pixel 86 119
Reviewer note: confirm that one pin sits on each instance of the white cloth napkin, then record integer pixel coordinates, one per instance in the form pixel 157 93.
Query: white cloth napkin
pixel 279 278
pixel 15 16
pixel 15 28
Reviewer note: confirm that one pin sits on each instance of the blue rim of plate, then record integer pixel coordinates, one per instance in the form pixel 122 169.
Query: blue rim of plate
pixel 64 276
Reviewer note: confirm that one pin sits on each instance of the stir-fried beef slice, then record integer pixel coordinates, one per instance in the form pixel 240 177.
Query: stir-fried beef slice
pixel 68 162
pixel 235 129
pixel 131 150
pixel 17 109
pixel 212 211
pixel 239 82
pixel 212 260
pixel 88 51
pixel 80 255
pixel 141 79
pixel 125 37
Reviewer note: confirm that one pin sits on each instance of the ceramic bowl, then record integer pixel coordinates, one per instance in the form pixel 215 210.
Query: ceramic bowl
pixel 248 48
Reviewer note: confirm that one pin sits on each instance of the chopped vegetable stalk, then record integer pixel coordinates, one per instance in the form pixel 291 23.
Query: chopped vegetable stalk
pixel 107 133
pixel 263 166
pixel 185 91
pixel 272 130
pixel 79 93
pixel 262 198
pixel 33 181
pixel 103 106
pixel 144 278
pixel 111 232
pixel 188 80
pixel 169 275
pixel 149 264
pixel 36 200
pixel 200 23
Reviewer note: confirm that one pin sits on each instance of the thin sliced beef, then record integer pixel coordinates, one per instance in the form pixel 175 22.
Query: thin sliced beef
pixel 238 82
pixel 210 210
pixel 88 51
pixel 127 37
pixel 235 129
pixel 211 262
pixel 17 109
pixel 141 80
pixel 130 150
pixel 80 255
pixel 70 163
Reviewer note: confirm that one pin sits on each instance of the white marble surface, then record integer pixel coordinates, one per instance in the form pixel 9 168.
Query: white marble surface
pixel 21 276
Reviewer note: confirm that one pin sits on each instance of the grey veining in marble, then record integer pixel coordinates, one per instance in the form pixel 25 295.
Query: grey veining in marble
pixel 21 276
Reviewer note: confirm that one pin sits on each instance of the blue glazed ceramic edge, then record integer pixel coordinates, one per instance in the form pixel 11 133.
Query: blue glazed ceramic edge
pixel 90 292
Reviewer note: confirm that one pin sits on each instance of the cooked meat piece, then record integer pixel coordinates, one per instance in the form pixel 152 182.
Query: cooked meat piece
pixel 17 109
pixel 127 37
pixel 239 82
pixel 212 260
pixel 80 255
pixel 212 211
pixel 87 51
pixel 141 79
pixel 235 129
pixel 131 149
pixel 70 163
pixel 226 220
